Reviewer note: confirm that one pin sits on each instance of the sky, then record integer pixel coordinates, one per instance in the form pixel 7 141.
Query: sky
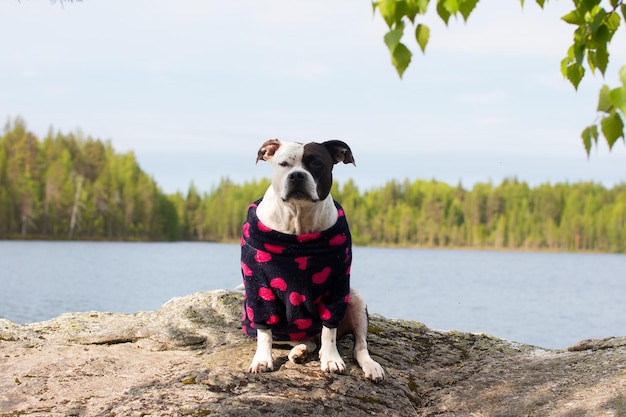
pixel 193 87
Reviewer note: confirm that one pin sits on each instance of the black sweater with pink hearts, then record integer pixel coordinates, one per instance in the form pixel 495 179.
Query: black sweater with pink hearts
pixel 294 283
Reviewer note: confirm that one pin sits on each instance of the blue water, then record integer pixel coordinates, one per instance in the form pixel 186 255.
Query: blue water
pixel 551 300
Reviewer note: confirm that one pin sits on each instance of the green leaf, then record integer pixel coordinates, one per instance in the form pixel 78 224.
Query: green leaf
pixel 541 3
pixel 466 7
pixel 564 64
pixel 624 11
pixel 401 58
pixel 590 133
pixel 601 35
pixel 573 18
pixel 618 95
pixel 443 13
pixel 612 22
pixel 612 128
pixel 602 58
pixel 422 6
pixel 387 9
pixel 605 104
pixel 585 6
pixel 618 98
pixel 402 9
pixel 415 7
pixel 575 74
pixel 595 18
pixel 576 52
pixel 422 34
pixel 392 38
pixel 451 5
pixel 591 60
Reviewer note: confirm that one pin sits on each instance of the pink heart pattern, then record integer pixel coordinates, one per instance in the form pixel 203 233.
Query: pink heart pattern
pixel 303 324
pixel 297 336
pixel 324 312
pixel 296 298
pixel 307 237
pixel 321 277
pixel 337 240
pixel 249 313
pixel 263 227
pixel 262 256
pixel 279 284
pixel 274 248
pixel 245 269
pixel 301 261
pixel 266 294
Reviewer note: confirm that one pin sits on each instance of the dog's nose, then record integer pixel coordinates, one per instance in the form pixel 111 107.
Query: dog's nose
pixel 297 176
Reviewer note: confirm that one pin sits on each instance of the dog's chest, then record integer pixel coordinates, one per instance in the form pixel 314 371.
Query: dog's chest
pixel 293 280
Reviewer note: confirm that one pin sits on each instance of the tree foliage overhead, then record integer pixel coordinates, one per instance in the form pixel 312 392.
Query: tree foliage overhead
pixel 595 21
pixel 68 186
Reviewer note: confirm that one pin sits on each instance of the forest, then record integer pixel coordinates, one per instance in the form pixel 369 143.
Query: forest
pixel 66 186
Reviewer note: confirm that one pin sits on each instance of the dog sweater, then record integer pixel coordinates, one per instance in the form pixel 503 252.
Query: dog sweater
pixel 294 283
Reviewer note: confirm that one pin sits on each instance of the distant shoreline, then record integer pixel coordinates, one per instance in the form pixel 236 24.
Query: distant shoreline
pixel 384 245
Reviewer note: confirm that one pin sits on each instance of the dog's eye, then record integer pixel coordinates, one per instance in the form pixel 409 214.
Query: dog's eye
pixel 284 164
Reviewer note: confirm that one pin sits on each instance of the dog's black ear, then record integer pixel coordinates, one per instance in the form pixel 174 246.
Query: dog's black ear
pixel 340 151
pixel 267 150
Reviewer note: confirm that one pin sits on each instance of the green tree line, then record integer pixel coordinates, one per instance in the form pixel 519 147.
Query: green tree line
pixel 67 186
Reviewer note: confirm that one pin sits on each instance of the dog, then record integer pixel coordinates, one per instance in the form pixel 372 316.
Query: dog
pixel 296 258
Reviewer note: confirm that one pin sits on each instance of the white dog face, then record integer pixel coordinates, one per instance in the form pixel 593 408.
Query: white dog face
pixel 304 171
pixel 290 178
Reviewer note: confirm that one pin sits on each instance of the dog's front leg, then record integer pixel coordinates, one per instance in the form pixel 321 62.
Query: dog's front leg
pixel 262 361
pixel 329 355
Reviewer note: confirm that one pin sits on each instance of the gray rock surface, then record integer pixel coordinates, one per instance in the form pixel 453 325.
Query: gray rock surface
pixel 189 358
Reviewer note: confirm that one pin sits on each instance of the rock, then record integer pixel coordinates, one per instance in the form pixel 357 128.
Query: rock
pixel 189 358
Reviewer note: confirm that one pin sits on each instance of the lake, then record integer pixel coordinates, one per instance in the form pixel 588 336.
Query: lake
pixel 551 300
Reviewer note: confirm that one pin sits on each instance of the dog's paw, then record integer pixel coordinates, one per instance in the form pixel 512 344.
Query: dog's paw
pixel 332 362
pixel 373 371
pixel 258 367
pixel 299 353
pixel 261 363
